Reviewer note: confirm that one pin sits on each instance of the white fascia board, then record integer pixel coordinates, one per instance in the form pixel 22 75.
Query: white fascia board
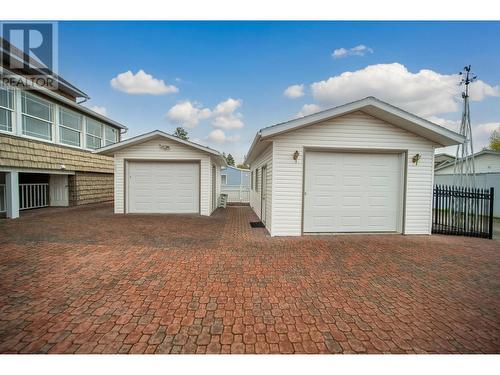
pixel 111 149
pixel 442 135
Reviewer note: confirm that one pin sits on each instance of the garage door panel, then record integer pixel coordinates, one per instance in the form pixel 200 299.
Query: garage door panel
pixel 363 196
pixel 163 187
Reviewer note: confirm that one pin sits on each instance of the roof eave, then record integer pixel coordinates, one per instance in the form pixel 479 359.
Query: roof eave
pixel 438 134
pixel 111 149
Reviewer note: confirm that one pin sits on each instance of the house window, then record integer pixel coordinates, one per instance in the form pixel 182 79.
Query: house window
pixel 251 180
pixel 110 135
pixel 257 179
pixel 37 116
pixel 70 127
pixel 6 107
pixel 223 179
pixel 93 134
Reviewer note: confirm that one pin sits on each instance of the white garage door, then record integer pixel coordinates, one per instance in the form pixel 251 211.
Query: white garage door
pixel 163 187
pixel 352 192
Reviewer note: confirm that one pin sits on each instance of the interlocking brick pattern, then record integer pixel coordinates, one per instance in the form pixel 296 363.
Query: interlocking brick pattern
pixel 83 280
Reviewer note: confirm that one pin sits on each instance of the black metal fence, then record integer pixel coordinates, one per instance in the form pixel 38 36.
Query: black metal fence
pixel 463 211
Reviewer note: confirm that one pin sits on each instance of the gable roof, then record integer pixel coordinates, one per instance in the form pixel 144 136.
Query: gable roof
pixel 111 149
pixel 374 107
pixel 476 155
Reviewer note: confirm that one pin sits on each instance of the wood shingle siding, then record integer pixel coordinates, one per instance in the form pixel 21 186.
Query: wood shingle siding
pixel 19 152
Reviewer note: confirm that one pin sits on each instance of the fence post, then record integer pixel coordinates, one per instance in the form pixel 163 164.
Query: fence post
pixel 492 191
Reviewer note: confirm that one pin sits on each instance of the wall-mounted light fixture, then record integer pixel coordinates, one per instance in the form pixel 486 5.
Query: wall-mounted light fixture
pixel 415 159
pixel 295 156
pixel 164 147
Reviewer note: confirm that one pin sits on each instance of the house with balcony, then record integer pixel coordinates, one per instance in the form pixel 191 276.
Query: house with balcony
pixel 46 141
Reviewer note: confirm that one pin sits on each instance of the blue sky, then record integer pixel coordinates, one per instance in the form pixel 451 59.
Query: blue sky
pixel 226 80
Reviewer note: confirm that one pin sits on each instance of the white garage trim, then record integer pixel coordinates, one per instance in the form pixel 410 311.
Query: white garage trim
pixel 401 202
pixel 126 164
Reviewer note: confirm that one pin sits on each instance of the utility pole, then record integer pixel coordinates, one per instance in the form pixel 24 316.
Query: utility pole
pixel 464 169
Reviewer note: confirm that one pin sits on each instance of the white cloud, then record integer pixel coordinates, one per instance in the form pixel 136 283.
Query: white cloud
pixel 359 50
pixel 218 136
pixel 141 83
pixel 224 116
pixel 424 93
pixel 228 122
pixel 101 110
pixel 187 114
pixel 227 106
pixel 294 91
pixel 308 109
pixel 480 132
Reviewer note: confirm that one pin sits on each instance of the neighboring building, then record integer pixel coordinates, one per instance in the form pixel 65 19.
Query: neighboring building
pixel 159 173
pixel 46 143
pixel 441 159
pixel 487 166
pixel 235 182
pixel 365 166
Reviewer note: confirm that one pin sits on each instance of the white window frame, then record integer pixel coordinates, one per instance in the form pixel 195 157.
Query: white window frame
pixel 92 135
pixel 11 110
pixel 116 133
pixel 61 125
pixel 223 179
pixel 256 180
pixel 50 123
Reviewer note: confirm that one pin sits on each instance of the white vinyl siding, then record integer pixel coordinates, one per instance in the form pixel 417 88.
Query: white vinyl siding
pixel 264 159
pixel 353 131
pixel 484 163
pixel 37 116
pixel 93 134
pixel 150 150
pixel 6 108
pixel 70 127
pixel 218 185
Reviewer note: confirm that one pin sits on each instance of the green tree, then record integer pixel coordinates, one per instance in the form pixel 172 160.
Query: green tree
pixel 495 140
pixel 242 166
pixel 230 160
pixel 181 133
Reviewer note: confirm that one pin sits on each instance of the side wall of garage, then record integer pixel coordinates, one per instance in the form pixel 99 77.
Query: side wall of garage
pixel 264 159
pixel 214 162
pixel 353 131
pixel 151 150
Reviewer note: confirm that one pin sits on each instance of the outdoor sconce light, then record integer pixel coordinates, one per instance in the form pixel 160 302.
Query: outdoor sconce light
pixel 295 156
pixel 415 159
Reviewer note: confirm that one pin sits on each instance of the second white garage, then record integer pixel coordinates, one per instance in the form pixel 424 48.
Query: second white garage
pixel 159 173
pixel 364 166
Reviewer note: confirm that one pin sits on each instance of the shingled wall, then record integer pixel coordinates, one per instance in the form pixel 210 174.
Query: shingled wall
pixel 26 153
pixel 92 181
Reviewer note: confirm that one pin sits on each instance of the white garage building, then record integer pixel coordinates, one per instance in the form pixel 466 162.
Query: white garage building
pixel 159 173
pixel 366 166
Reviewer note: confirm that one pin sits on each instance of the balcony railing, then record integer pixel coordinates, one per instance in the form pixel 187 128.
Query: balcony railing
pixel 33 196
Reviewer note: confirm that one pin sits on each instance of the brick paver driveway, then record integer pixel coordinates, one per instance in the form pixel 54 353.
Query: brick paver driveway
pixel 86 281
